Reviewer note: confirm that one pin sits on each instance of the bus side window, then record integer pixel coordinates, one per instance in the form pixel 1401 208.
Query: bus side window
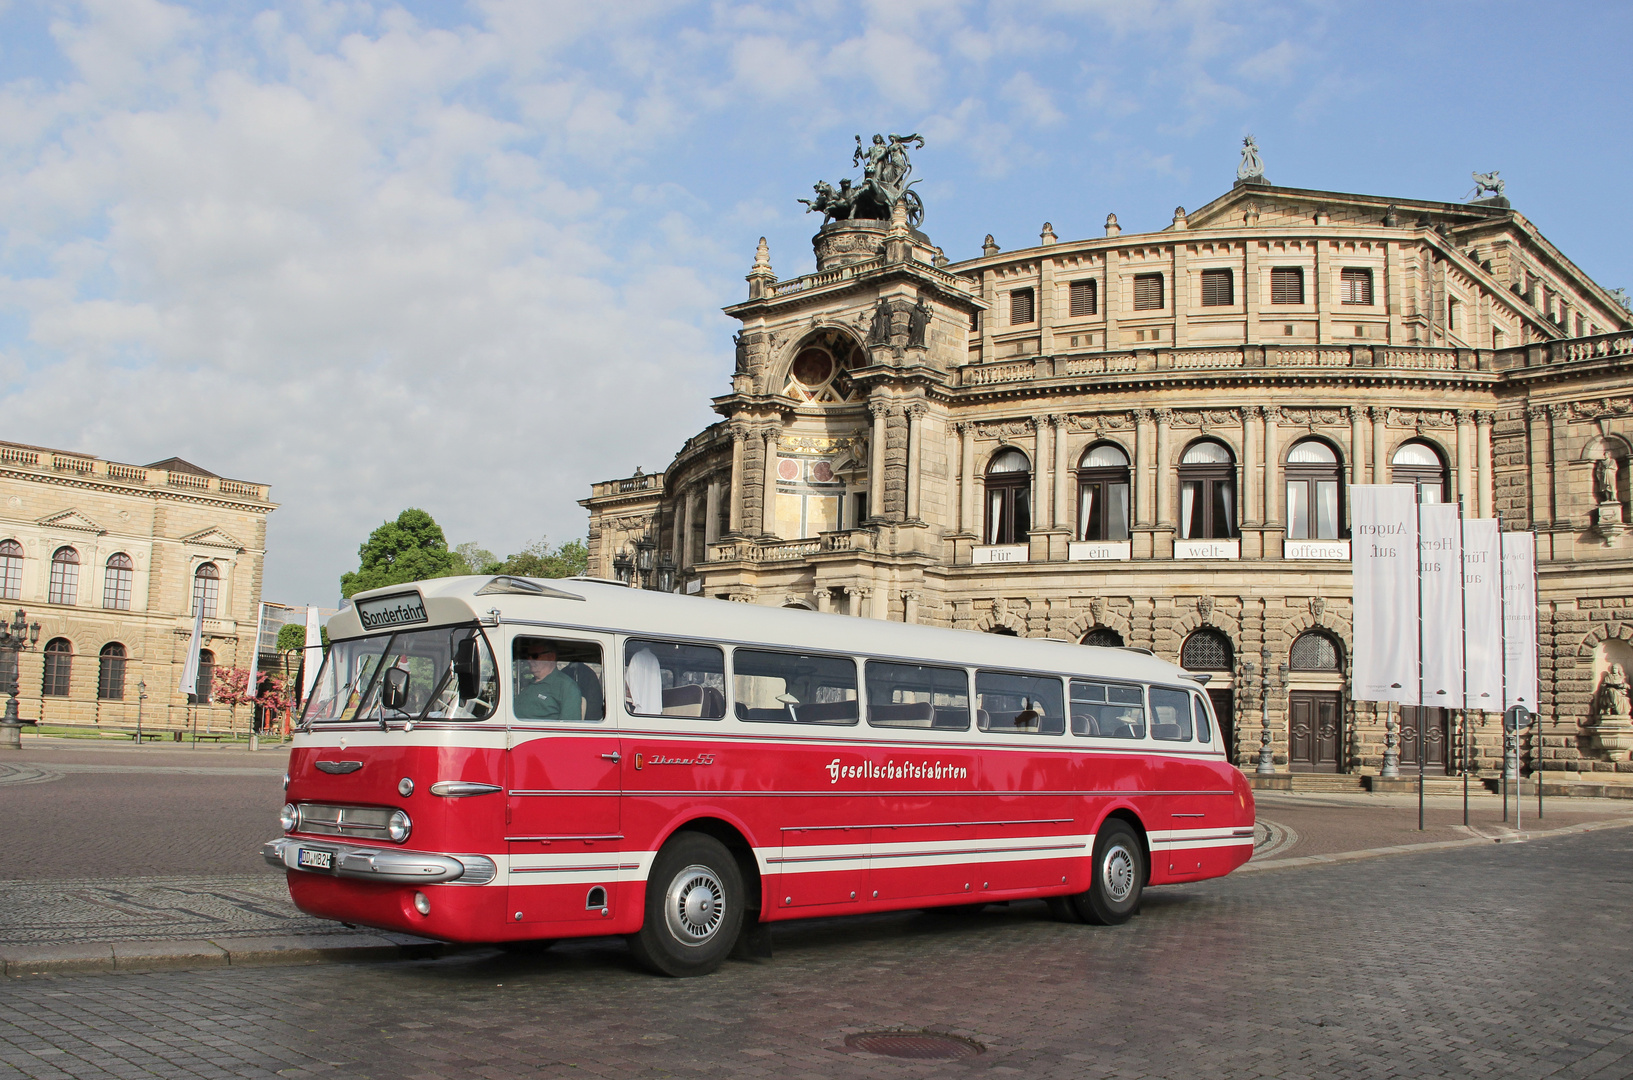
pixel 557 679
pixel 1204 730
pixel 666 678
pixel 1107 710
pixel 916 696
pixel 793 688
pixel 1170 715
pixel 1019 704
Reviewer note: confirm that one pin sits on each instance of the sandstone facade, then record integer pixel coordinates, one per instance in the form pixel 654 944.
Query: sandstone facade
pixel 1239 361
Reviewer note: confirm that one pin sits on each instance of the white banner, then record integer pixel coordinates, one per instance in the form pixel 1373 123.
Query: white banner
pixel 313 654
pixel 189 669
pixel 1482 614
pixel 1441 548
pixel 1520 619
pixel 1383 560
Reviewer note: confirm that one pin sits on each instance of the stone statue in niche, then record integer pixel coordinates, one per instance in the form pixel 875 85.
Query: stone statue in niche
pixel 1604 477
pixel 1609 516
pixel 742 353
pixel 879 330
pixel 1614 699
pixel 918 322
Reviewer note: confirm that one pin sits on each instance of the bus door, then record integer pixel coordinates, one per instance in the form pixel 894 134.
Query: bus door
pixel 1187 811
pixel 563 782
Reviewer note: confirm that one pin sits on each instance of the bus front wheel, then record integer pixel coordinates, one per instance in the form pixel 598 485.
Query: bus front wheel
pixel 1119 876
pixel 694 908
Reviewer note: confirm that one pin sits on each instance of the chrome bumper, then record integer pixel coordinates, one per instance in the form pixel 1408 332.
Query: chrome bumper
pixel 376 864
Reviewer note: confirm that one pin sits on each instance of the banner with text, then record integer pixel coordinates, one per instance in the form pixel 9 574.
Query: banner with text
pixel 1382 558
pixel 1483 613
pixel 1520 619
pixel 1440 545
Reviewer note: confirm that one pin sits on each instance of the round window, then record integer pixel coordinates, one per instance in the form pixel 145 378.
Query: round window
pixel 813 367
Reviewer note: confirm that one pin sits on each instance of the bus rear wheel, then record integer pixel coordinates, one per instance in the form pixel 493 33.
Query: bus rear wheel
pixel 1113 896
pixel 694 908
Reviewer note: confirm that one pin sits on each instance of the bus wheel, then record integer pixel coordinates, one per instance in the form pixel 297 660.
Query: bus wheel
pixel 694 908
pixel 1119 876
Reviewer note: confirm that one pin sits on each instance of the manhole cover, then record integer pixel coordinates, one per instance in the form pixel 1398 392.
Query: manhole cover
pixel 915 1045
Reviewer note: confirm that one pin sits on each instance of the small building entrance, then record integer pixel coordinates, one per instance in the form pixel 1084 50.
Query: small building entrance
pixel 1315 730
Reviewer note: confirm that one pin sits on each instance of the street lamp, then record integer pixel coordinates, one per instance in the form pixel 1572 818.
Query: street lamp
pixel 141 696
pixel 1267 761
pixel 666 574
pixel 14 639
pixel 623 568
pixel 1392 745
pixel 644 547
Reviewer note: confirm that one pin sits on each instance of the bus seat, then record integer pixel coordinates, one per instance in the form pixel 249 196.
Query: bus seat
pixel 589 689
pixel 1168 732
pixel 952 719
pixel 775 716
pixel 1051 725
pixel 826 712
pixel 692 700
pixel 983 719
pixel 912 714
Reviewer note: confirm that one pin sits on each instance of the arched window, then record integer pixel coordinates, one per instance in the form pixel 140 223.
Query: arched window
pixel 1103 636
pixel 59 657
pixel 1207 492
pixel 1314 651
pixel 1102 494
pixel 206 589
pixel 1313 487
pixel 1421 465
pixel 11 570
pixel 116 582
pixel 1009 504
pixel 64 577
pixel 110 676
pixel 1205 650
pixel 206 677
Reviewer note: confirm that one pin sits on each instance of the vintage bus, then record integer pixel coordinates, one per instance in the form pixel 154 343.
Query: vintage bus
pixel 510 760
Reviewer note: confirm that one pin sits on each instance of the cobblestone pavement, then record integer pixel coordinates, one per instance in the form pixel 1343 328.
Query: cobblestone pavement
pixel 1511 960
pixel 178 908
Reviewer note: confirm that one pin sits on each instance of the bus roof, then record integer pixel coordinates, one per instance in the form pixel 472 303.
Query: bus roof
pixel 574 603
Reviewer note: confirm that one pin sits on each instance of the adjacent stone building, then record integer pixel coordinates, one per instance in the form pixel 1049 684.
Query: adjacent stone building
pixel 111 561
pixel 1144 439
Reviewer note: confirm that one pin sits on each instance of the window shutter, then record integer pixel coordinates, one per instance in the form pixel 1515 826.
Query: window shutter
pixel 1147 292
pixel 1286 285
pixel 1355 287
pixel 1217 288
pixel 1020 307
pixel 1085 298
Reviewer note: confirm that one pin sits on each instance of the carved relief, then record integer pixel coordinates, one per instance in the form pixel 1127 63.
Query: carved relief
pixel 1317 417
pixel 1206 418
pixel 1005 429
pixel 1420 419
pixel 1204 608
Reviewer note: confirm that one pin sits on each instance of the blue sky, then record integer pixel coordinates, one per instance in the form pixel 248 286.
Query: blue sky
pixel 470 257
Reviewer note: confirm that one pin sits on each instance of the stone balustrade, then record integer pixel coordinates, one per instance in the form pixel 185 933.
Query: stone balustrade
pixel 92 468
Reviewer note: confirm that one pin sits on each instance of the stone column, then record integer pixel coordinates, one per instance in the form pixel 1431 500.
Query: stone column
pixel 1537 433
pixel 1041 509
pixel 966 478
pixel 739 432
pixel 711 516
pixel 853 601
pixel 1272 467
pixel 1558 419
pixel 1465 459
pixel 876 459
pixel 1488 483
pixel 1163 511
pixel 1142 471
pixel 910 607
pixel 915 457
pixel 1063 516
pixel 825 599
pixel 1380 443
pixel 1250 457
pixel 768 500
pixel 1357 446
pixel 683 542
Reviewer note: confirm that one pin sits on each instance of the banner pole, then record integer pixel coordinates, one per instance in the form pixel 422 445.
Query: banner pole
pixel 1422 719
pixel 1536 735
pixel 1463 615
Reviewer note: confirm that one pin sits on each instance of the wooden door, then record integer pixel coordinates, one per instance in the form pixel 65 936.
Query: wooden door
pixel 1436 738
pixel 1315 730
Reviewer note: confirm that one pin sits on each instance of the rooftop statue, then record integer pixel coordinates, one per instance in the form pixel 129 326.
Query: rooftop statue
pixel 885 169
pixel 1252 167
pixel 1484 182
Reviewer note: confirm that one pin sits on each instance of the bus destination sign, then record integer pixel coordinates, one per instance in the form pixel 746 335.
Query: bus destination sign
pixel 384 612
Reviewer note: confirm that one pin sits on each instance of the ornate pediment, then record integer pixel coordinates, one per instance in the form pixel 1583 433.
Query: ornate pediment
pixel 73 521
pixel 213 538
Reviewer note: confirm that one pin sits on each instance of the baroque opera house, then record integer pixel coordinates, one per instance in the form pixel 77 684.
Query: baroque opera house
pixel 1144 440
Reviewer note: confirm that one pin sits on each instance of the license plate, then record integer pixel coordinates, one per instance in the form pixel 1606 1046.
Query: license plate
pixel 316 860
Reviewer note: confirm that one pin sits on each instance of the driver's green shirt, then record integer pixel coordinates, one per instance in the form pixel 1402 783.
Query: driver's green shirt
pixel 554 697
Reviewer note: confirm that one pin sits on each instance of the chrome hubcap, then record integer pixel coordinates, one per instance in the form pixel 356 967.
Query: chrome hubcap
pixel 1117 874
pixel 694 904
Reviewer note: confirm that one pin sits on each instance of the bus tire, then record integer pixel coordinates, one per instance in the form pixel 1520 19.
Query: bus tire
pixel 694 908
pixel 1113 896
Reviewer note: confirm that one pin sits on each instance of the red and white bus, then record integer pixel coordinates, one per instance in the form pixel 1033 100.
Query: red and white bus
pixel 511 760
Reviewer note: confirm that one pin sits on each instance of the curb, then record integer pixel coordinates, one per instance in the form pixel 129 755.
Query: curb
pixel 1435 845
pixel 102 957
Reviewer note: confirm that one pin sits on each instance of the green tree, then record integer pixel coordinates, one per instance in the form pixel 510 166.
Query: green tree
pixel 539 559
pixel 412 548
pixel 469 558
pixel 292 637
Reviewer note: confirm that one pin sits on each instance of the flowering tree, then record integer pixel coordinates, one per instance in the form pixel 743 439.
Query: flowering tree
pixel 232 688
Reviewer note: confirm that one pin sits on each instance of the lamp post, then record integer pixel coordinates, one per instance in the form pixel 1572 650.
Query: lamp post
pixel 141 696
pixel 623 567
pixel 1267 761
pixel 14 639
pixel 1392 747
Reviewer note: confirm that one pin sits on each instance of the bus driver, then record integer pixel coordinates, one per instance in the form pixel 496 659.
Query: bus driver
pixel 544 691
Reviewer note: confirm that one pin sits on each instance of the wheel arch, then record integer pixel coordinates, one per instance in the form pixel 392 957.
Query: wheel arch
pixel 1129 815
pixel 735 839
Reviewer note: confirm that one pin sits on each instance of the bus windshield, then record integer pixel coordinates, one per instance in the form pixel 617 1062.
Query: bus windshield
pixel 449 674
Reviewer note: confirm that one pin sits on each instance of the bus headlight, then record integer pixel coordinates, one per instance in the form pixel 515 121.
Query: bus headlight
pixel 289 817
pixel 399 826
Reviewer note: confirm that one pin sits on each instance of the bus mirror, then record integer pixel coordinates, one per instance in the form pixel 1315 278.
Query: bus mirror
pixel 394 689
pixel 467 667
